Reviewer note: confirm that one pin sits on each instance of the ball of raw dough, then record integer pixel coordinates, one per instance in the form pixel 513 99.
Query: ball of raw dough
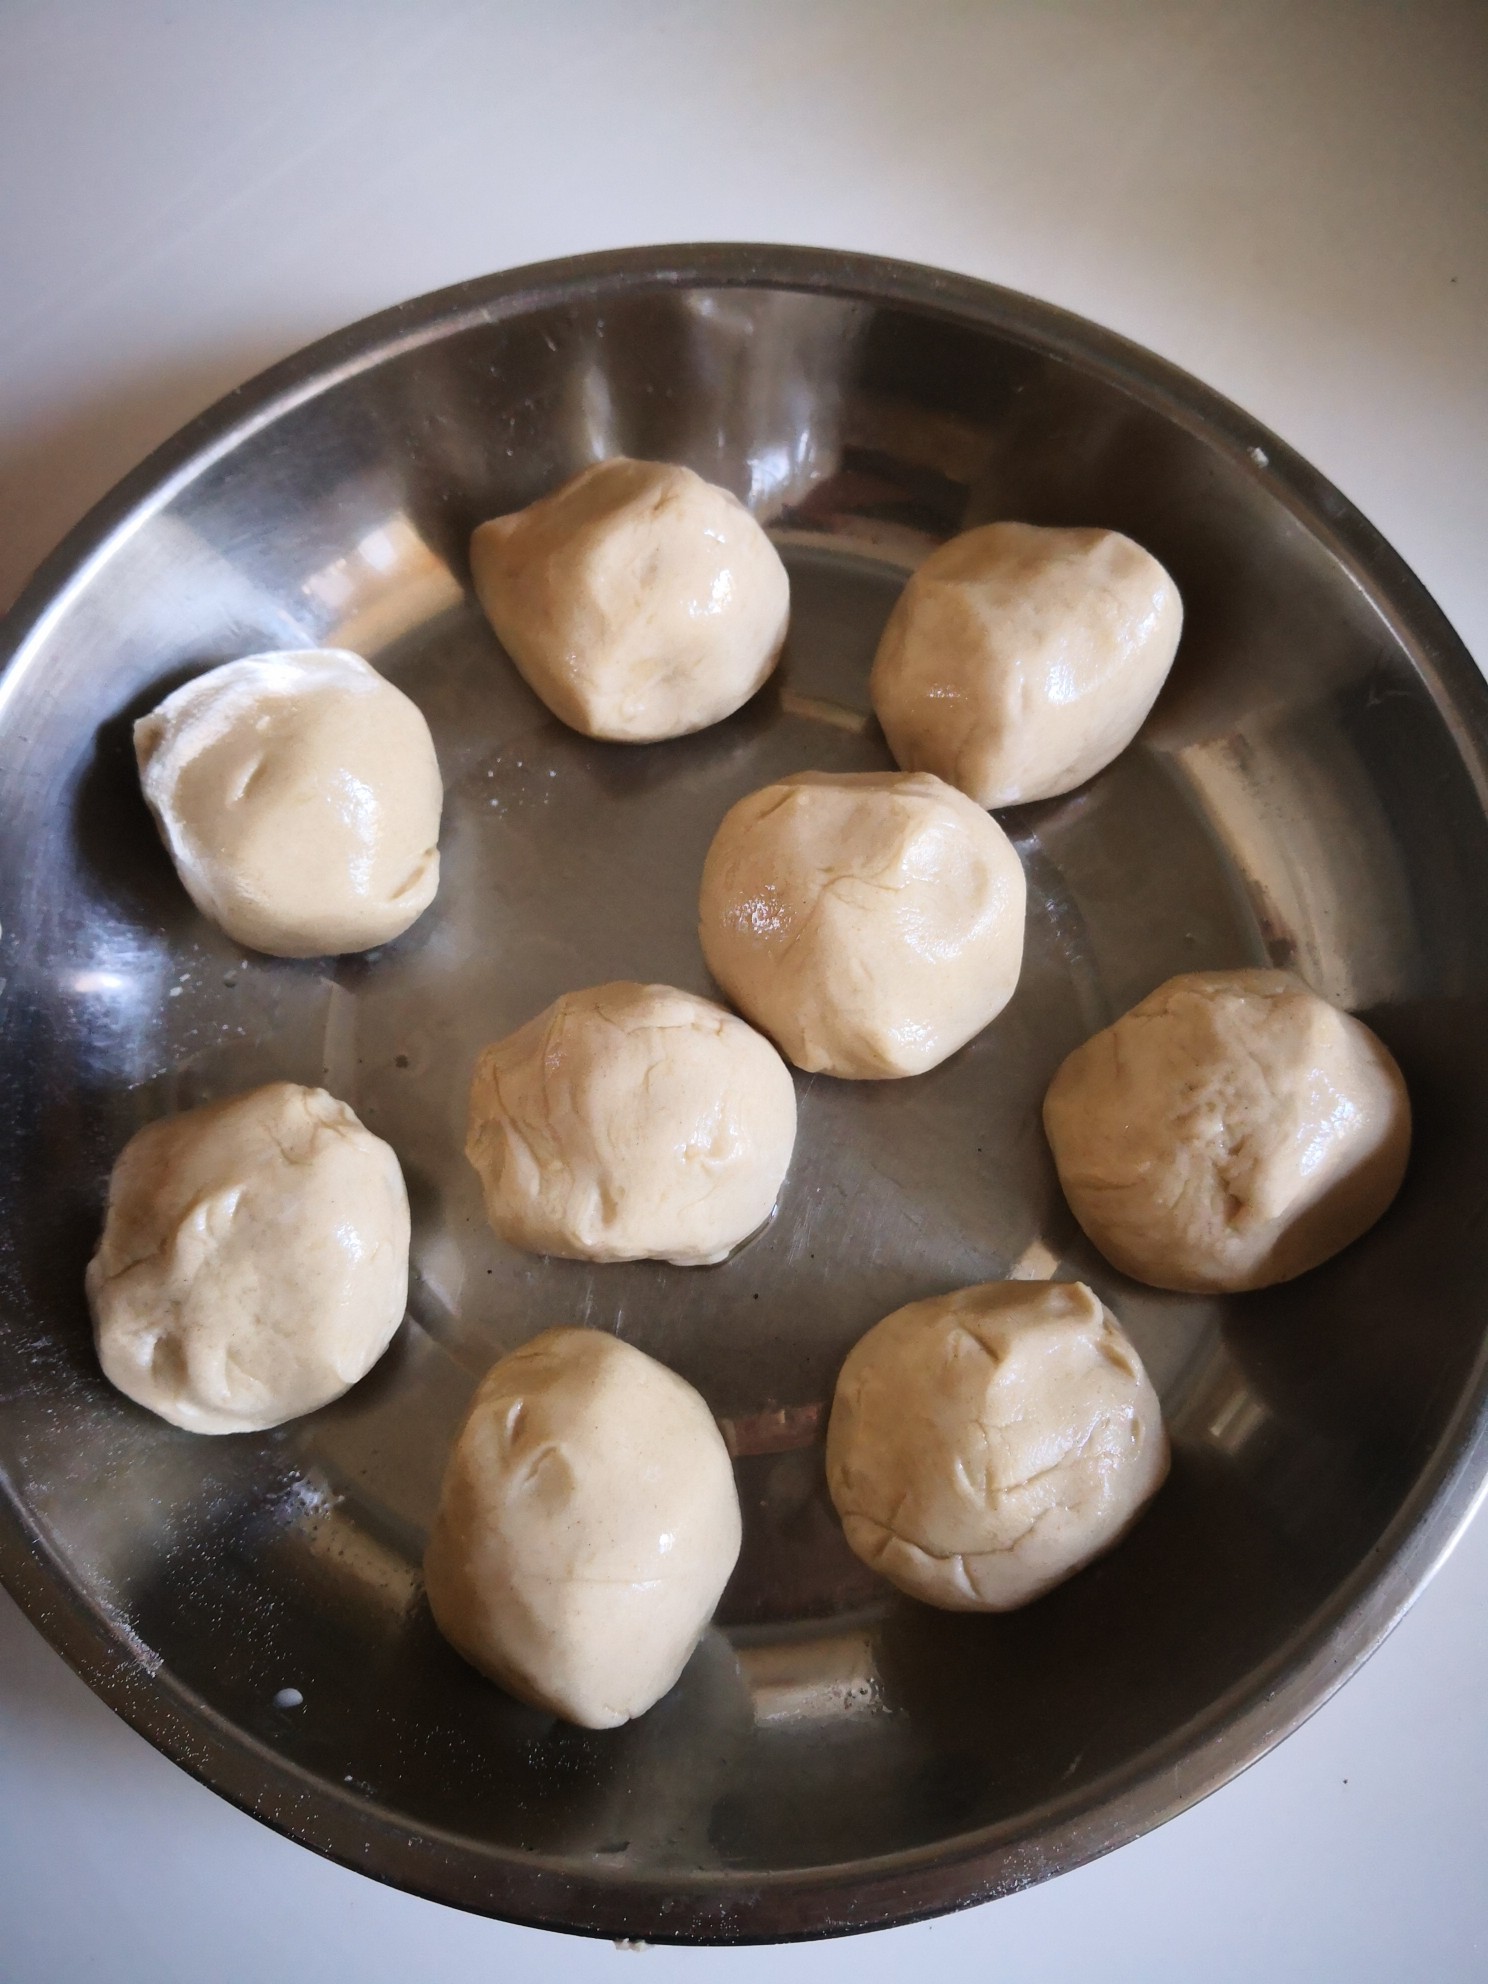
pixel 1231 1131
pixel 985 1445
pixel 299 796
pixel 586 1528
pixel 631 1122
pixel 254 1260
pixel 870 922
pixel 1020 660
pixel 638 601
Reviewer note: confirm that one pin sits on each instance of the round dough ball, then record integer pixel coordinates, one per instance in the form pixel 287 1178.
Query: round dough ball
pixel 629 1123
pixel 985 1445
pixel 299 796
pixel 587 1526
pixel 254 1260
pixel 1231 1131
pixel 1021 660
pixel 638 601
pixel 870 922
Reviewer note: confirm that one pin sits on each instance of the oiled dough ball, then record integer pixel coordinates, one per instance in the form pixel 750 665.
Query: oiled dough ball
pixel 586 1528
pixel 299 796
pixel 631 1122
pixel 254 1260
pixel 1019 660
pixel 870 922
pixel 985 1445
pixel 638 601
pixel 1230 1131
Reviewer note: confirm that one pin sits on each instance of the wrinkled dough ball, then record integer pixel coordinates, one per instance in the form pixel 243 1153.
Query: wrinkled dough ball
pixel 1020 660
pixel 586 1528
pixel 985 1445
pixel 254 1260
pixel 299 796
pixel 1231 1131
pixel 638 601
pixel 870 922
pixel 631 1122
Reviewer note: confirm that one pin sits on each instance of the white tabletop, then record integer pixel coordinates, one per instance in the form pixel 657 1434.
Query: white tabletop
pixel 1291 201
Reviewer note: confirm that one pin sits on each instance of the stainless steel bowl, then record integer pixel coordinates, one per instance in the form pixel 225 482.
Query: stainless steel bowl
pixel 1311 790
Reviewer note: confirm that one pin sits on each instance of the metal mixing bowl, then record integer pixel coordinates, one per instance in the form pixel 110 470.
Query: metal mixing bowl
pixel 1310 790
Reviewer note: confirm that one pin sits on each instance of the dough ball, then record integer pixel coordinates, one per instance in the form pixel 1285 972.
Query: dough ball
pixel 638 601
pixel 1231 1131
pixel 631 1122
pixel 870 922
pixel 254 1261
pixel 299 796
pixel 586 1528
pixel 985 1445
pixel 1020 660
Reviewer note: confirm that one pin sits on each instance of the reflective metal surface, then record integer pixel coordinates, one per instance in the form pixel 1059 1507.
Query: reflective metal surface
pixel 1311 791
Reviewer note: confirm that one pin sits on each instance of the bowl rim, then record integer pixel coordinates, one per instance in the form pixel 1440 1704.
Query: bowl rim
pixel 1193 1760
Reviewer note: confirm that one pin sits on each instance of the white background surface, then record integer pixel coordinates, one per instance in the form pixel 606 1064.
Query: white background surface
pixel 1290 200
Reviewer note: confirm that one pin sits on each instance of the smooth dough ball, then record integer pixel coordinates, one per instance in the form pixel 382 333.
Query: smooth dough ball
pixel 631 1122
pixel 1231 1131
pixel 299 796
pixel 254 1261
pixel 870 922
pixel 638 601
pixel 587 1526
pixel 1020 660
pixel 985 1445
